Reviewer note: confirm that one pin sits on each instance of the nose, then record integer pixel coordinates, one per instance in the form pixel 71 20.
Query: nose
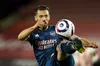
pixel 44 21
pixel 44 18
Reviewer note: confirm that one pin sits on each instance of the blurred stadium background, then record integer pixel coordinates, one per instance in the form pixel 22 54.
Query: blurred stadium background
pixel 16 15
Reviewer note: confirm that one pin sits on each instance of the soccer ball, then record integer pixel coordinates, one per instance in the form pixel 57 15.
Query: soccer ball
pixel 65 28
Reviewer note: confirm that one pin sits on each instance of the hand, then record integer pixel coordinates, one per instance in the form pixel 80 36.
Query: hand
pixel 40 24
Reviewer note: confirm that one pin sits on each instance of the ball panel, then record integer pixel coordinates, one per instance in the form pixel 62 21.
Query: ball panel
pixel 65 28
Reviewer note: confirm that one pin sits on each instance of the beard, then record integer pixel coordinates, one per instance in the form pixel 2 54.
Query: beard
pixel 45 26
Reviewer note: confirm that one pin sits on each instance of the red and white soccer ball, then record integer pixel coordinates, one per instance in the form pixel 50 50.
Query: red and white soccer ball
pixel 65 28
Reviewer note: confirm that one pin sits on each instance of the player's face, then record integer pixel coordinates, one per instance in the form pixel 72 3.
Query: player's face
pixel 43 16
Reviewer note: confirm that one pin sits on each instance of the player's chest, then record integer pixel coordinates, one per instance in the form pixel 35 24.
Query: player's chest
pixel 45 35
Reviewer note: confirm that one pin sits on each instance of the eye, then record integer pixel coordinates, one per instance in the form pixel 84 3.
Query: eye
pixel 46 15
pixel 41 16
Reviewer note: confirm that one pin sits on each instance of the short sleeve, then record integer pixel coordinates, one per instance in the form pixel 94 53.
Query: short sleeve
pixel 31 39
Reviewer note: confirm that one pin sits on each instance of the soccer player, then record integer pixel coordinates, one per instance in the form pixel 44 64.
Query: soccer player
pixel 48 49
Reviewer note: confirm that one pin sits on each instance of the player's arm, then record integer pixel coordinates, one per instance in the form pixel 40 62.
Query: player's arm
pixel 86 42
pixel 26 33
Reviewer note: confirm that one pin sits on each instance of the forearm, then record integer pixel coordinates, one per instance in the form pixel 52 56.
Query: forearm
pixel 26 33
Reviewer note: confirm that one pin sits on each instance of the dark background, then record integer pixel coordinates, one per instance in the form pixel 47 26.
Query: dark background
pixel 84 14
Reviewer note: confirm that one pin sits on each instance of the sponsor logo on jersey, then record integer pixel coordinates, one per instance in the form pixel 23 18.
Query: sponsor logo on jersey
pixel 44 44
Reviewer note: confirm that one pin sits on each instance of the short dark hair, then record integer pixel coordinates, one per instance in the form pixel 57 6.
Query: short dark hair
pixel 40 7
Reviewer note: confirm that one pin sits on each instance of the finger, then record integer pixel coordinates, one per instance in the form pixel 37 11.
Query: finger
pixel 40 23
pixel 94 45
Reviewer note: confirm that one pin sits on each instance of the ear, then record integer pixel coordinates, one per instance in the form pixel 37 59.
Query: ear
pixel 35 18
pixel 49 17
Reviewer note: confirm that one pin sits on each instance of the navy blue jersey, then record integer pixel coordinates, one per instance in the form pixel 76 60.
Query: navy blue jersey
pixel 44 44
